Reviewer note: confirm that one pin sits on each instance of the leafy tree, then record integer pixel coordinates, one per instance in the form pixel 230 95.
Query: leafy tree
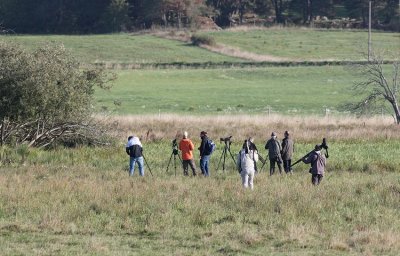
pixel 225 10
pixel 45 96
pixel 306 10
pixel 379 88
pixel 243 7
pixel 263 7
pixel 116 17
pixel 382 10
pixel 178 13
pixel 389 14
pixel 280 7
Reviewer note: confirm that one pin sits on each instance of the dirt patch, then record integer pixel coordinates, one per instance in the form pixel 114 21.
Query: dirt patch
pixel 238 53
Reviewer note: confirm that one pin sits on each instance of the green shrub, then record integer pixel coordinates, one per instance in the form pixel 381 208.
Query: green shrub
pixel 202 39
pixel 45 95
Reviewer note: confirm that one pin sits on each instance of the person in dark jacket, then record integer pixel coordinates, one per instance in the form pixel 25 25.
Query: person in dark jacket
pixel 287 152
pixel 135 150
pixel 204 156
pixel 318 162
pixel 274 152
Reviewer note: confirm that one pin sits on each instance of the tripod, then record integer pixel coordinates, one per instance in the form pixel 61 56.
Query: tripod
pixel 227 148
pixel 264 161
pixel 174 153
pixel 147 165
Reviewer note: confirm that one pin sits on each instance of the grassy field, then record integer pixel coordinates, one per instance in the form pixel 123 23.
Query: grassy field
pixel 308 44
pixel 296 44
pixel 81 201
pixel 292 90
pixel 125 48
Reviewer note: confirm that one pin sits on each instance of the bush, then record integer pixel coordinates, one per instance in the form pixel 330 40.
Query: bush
pixel 202 40
pixel 45 95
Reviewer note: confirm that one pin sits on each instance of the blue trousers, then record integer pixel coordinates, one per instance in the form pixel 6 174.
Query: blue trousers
pixel 139 161
pixel 204 165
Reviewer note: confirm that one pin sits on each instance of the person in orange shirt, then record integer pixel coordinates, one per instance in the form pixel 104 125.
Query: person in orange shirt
pixel 186 146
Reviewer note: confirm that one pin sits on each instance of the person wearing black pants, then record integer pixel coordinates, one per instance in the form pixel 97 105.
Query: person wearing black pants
pixel 287 152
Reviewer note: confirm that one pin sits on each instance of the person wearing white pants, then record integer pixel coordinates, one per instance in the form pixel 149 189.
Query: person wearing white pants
pixel 246 163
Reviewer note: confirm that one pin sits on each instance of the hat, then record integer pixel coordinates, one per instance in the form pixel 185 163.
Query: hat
pixel 185 134
pixel 202 133
pixel 273 134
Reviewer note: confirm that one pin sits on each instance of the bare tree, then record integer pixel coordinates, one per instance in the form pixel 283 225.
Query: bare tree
pixel 379 87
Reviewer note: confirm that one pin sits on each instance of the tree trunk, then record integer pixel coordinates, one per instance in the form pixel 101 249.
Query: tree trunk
pixel 2 132
pixel 396 111
pixel 164 18
pixel 241 12
pixel 179 20
pixel 278 6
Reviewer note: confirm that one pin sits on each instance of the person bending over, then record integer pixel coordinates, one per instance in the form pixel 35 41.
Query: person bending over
pixel 135 151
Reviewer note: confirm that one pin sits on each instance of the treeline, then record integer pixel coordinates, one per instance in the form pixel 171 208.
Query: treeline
pixel 100 16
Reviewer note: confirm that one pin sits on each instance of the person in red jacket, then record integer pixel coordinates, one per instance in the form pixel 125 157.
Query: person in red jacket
pixel 186 146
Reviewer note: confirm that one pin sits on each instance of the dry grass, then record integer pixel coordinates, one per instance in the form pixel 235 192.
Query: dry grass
pixel 303 129
pixel 108 213
pixel 238 53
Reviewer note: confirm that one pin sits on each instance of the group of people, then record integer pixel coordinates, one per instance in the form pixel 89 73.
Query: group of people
pixel 279 153
pixel 186 147
pixel 134 149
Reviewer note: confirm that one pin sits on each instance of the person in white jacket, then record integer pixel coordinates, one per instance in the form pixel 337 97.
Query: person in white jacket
pixel 246 163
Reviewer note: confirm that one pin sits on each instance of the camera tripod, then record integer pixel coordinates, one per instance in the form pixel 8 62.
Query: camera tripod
pixel 174 153
pixel 227 148
pixel 263 160
pixel 145 161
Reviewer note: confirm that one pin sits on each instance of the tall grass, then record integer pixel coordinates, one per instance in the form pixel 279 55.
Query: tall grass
pixel 84 210
pixel 82 201
pixel 303 129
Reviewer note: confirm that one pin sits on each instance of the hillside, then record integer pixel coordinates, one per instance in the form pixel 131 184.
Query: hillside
pixel 233 46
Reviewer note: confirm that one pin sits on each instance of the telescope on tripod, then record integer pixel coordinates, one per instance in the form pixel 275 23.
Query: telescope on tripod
pixel 174 153
pixel 227 148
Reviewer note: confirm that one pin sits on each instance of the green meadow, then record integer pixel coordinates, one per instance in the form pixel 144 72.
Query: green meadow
pixel 290 90
pixel 295 44
pixel 81 201
pixel 311 44
pixel 124 48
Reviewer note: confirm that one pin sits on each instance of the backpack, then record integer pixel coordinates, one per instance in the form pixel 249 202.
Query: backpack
pixel 209 147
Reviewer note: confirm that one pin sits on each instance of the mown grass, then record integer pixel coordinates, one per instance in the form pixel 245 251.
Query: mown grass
pixel 310 44
pixel 290 90
pixel 124 48
pixel 290 43
pixel 81 201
